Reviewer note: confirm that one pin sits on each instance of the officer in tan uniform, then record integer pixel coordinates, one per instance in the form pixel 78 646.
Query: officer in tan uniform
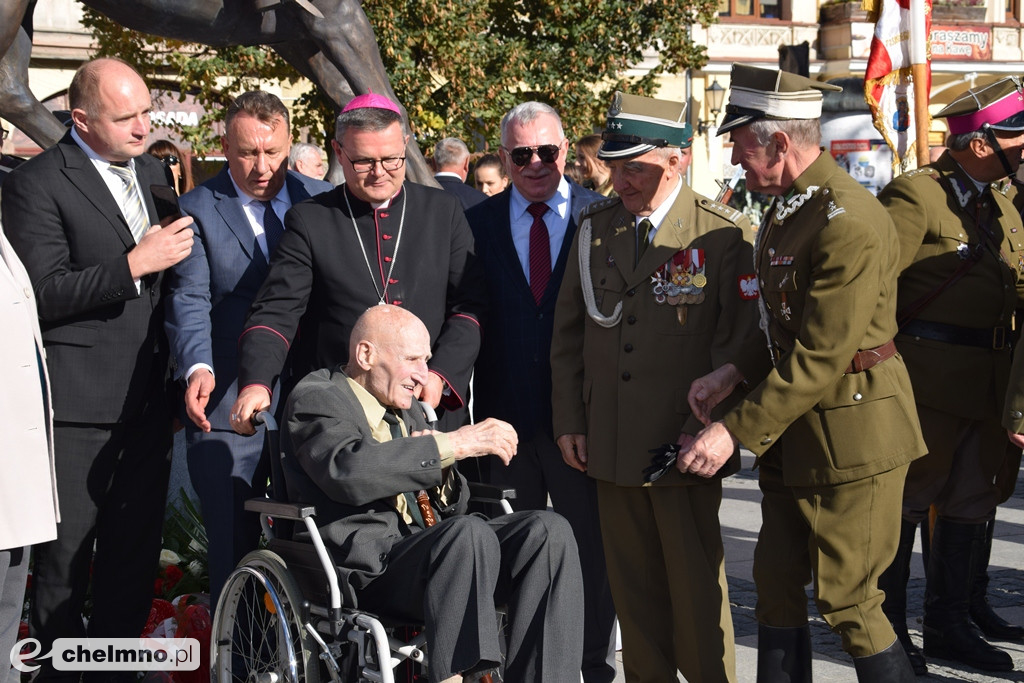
pixel 961 259
pixel 833 424
pixel 658 291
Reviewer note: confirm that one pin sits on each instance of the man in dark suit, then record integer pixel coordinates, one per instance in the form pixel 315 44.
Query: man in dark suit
pixel 238 220
pixel 81 218
pixel 426 560
pixel 374 240
pixel 451 159
pixel 513 372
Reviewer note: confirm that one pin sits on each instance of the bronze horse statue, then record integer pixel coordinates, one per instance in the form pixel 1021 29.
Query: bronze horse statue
pixel 337 50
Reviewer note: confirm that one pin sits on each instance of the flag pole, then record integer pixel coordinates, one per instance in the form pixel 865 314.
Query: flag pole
pixel 919 74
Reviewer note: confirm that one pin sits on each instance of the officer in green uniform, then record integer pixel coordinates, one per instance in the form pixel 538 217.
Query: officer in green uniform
pixel 961 259
pixel 833 424
pixel 658 291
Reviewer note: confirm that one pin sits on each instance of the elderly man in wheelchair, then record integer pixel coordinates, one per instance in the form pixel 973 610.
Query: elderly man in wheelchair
pixel 391 508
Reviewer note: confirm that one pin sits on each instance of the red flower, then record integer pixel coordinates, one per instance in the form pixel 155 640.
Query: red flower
pixel 158 612
pixel 173 575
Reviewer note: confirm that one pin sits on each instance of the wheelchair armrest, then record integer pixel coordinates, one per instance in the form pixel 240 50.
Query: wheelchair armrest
pixel 489 493
pixel 274 508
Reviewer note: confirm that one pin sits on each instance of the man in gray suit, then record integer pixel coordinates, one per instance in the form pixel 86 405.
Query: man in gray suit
pixel 238 220
pixel 377 494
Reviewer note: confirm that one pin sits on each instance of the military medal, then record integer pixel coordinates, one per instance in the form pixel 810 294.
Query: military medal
pixel 680 281
pixel 699 280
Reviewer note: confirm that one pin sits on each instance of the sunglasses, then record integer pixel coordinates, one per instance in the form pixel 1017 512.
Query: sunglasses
pixel 169 160
pixel 522 156
pixel 663 459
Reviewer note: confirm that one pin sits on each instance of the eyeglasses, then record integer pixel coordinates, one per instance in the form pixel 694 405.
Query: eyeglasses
pixel 522 156
pixel 367 165
pixel 169 160
pixel 3 133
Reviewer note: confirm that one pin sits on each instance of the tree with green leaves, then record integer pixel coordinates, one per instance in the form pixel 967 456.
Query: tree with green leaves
pixel 456 65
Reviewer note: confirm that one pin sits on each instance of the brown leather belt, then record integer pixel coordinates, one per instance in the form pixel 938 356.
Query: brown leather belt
pixel 863 360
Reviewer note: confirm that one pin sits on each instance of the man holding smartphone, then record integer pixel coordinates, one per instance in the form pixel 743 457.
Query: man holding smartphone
pixel 82 219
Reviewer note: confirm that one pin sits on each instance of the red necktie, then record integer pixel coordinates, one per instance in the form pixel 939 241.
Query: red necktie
pixel 540 251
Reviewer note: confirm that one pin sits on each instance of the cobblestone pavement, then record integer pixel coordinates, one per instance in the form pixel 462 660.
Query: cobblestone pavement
pixel 741 519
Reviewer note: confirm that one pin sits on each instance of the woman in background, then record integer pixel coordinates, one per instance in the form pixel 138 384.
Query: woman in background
pixel 597 176
pixel 489 175
pixel 165 151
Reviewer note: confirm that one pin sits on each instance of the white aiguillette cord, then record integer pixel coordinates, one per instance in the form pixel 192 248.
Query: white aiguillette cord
pixel 382 296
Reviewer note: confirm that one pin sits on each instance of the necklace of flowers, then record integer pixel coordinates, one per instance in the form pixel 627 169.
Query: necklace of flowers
pixel 382 296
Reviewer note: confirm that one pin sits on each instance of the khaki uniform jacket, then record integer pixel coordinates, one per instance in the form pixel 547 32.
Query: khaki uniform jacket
pixel 625 386
pixel 937 210
pixel 827 264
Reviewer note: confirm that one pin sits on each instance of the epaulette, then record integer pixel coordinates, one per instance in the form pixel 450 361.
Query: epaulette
pixel 924 170
pixel 730 214
pixel 599 205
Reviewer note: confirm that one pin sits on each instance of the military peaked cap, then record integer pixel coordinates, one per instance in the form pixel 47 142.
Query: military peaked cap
pixel 756 93
pixel 636 125
pixel 999 106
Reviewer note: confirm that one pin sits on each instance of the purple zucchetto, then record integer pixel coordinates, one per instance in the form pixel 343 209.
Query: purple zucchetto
pixel 371 100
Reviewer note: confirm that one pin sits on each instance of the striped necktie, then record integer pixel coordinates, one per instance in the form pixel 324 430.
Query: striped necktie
pixel 134 210
pixel 540 251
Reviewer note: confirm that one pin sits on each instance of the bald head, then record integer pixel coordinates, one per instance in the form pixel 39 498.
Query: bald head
pixel 110 106
pixel 388 352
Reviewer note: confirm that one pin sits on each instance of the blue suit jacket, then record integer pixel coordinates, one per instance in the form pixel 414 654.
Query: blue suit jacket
pixel 212 289
pixel 512 378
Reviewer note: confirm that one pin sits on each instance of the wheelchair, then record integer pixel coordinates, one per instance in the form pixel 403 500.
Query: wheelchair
pixel 281 618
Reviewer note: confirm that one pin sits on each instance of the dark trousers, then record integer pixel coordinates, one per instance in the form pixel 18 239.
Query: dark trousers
pixel 450 577
pixel 224 469
pixel 112 488
pixel 13 573
pixel 537 472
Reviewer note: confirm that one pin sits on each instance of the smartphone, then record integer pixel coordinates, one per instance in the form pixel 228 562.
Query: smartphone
pixel 166 200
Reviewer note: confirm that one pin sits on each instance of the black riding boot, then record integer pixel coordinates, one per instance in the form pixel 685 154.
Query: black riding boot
pixel 948 634
pixel 888 666
pixel 893 582
pixel 982 614
pixel 783 654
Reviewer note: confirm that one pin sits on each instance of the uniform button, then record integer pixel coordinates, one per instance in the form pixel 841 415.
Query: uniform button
pixel 625 376
pixel 631 292
pixel 858 396
pixel 28 292
pixel 425 463
pixel 382 557
pixel 1017 415
pixel 627 348
pixel 766 440
pixel 387 259
pixel 603 280
pixel 631 320
pixel 433 462
pixel 385 237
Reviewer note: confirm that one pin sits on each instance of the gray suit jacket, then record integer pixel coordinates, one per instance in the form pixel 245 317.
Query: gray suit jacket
pixel 211 289
pixel 331 460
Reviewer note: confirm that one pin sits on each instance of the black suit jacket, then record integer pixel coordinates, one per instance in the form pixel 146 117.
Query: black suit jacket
pixel 105 346
pixel 469 196
pixel 331 460
pixel 513 370
pixel 320 283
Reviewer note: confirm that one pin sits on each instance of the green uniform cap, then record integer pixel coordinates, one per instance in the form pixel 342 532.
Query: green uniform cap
pixel 756 93
pixel 636 125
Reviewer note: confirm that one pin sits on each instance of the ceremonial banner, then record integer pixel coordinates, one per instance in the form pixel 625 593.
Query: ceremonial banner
pixel 888 83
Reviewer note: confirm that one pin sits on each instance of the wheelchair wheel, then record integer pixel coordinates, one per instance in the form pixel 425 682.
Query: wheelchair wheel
pixel 258 632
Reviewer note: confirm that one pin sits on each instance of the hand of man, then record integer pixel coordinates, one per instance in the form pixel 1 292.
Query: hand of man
pixel 574 450
pixel 708 391
pixel 250 401
pixel 1015 438
pixel 197 395
pixel 161 247
pixel 485 438
pixel 432 391
pixel 711 449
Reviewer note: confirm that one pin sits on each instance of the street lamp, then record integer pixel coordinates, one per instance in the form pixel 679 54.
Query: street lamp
pixel 714 95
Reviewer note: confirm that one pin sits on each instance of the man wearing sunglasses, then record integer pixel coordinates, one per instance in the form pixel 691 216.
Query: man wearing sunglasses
pixel 654 297
pixel 524 259
pixel 374 240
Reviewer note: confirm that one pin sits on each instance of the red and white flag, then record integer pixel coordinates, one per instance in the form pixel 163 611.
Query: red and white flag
pixel 888 84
